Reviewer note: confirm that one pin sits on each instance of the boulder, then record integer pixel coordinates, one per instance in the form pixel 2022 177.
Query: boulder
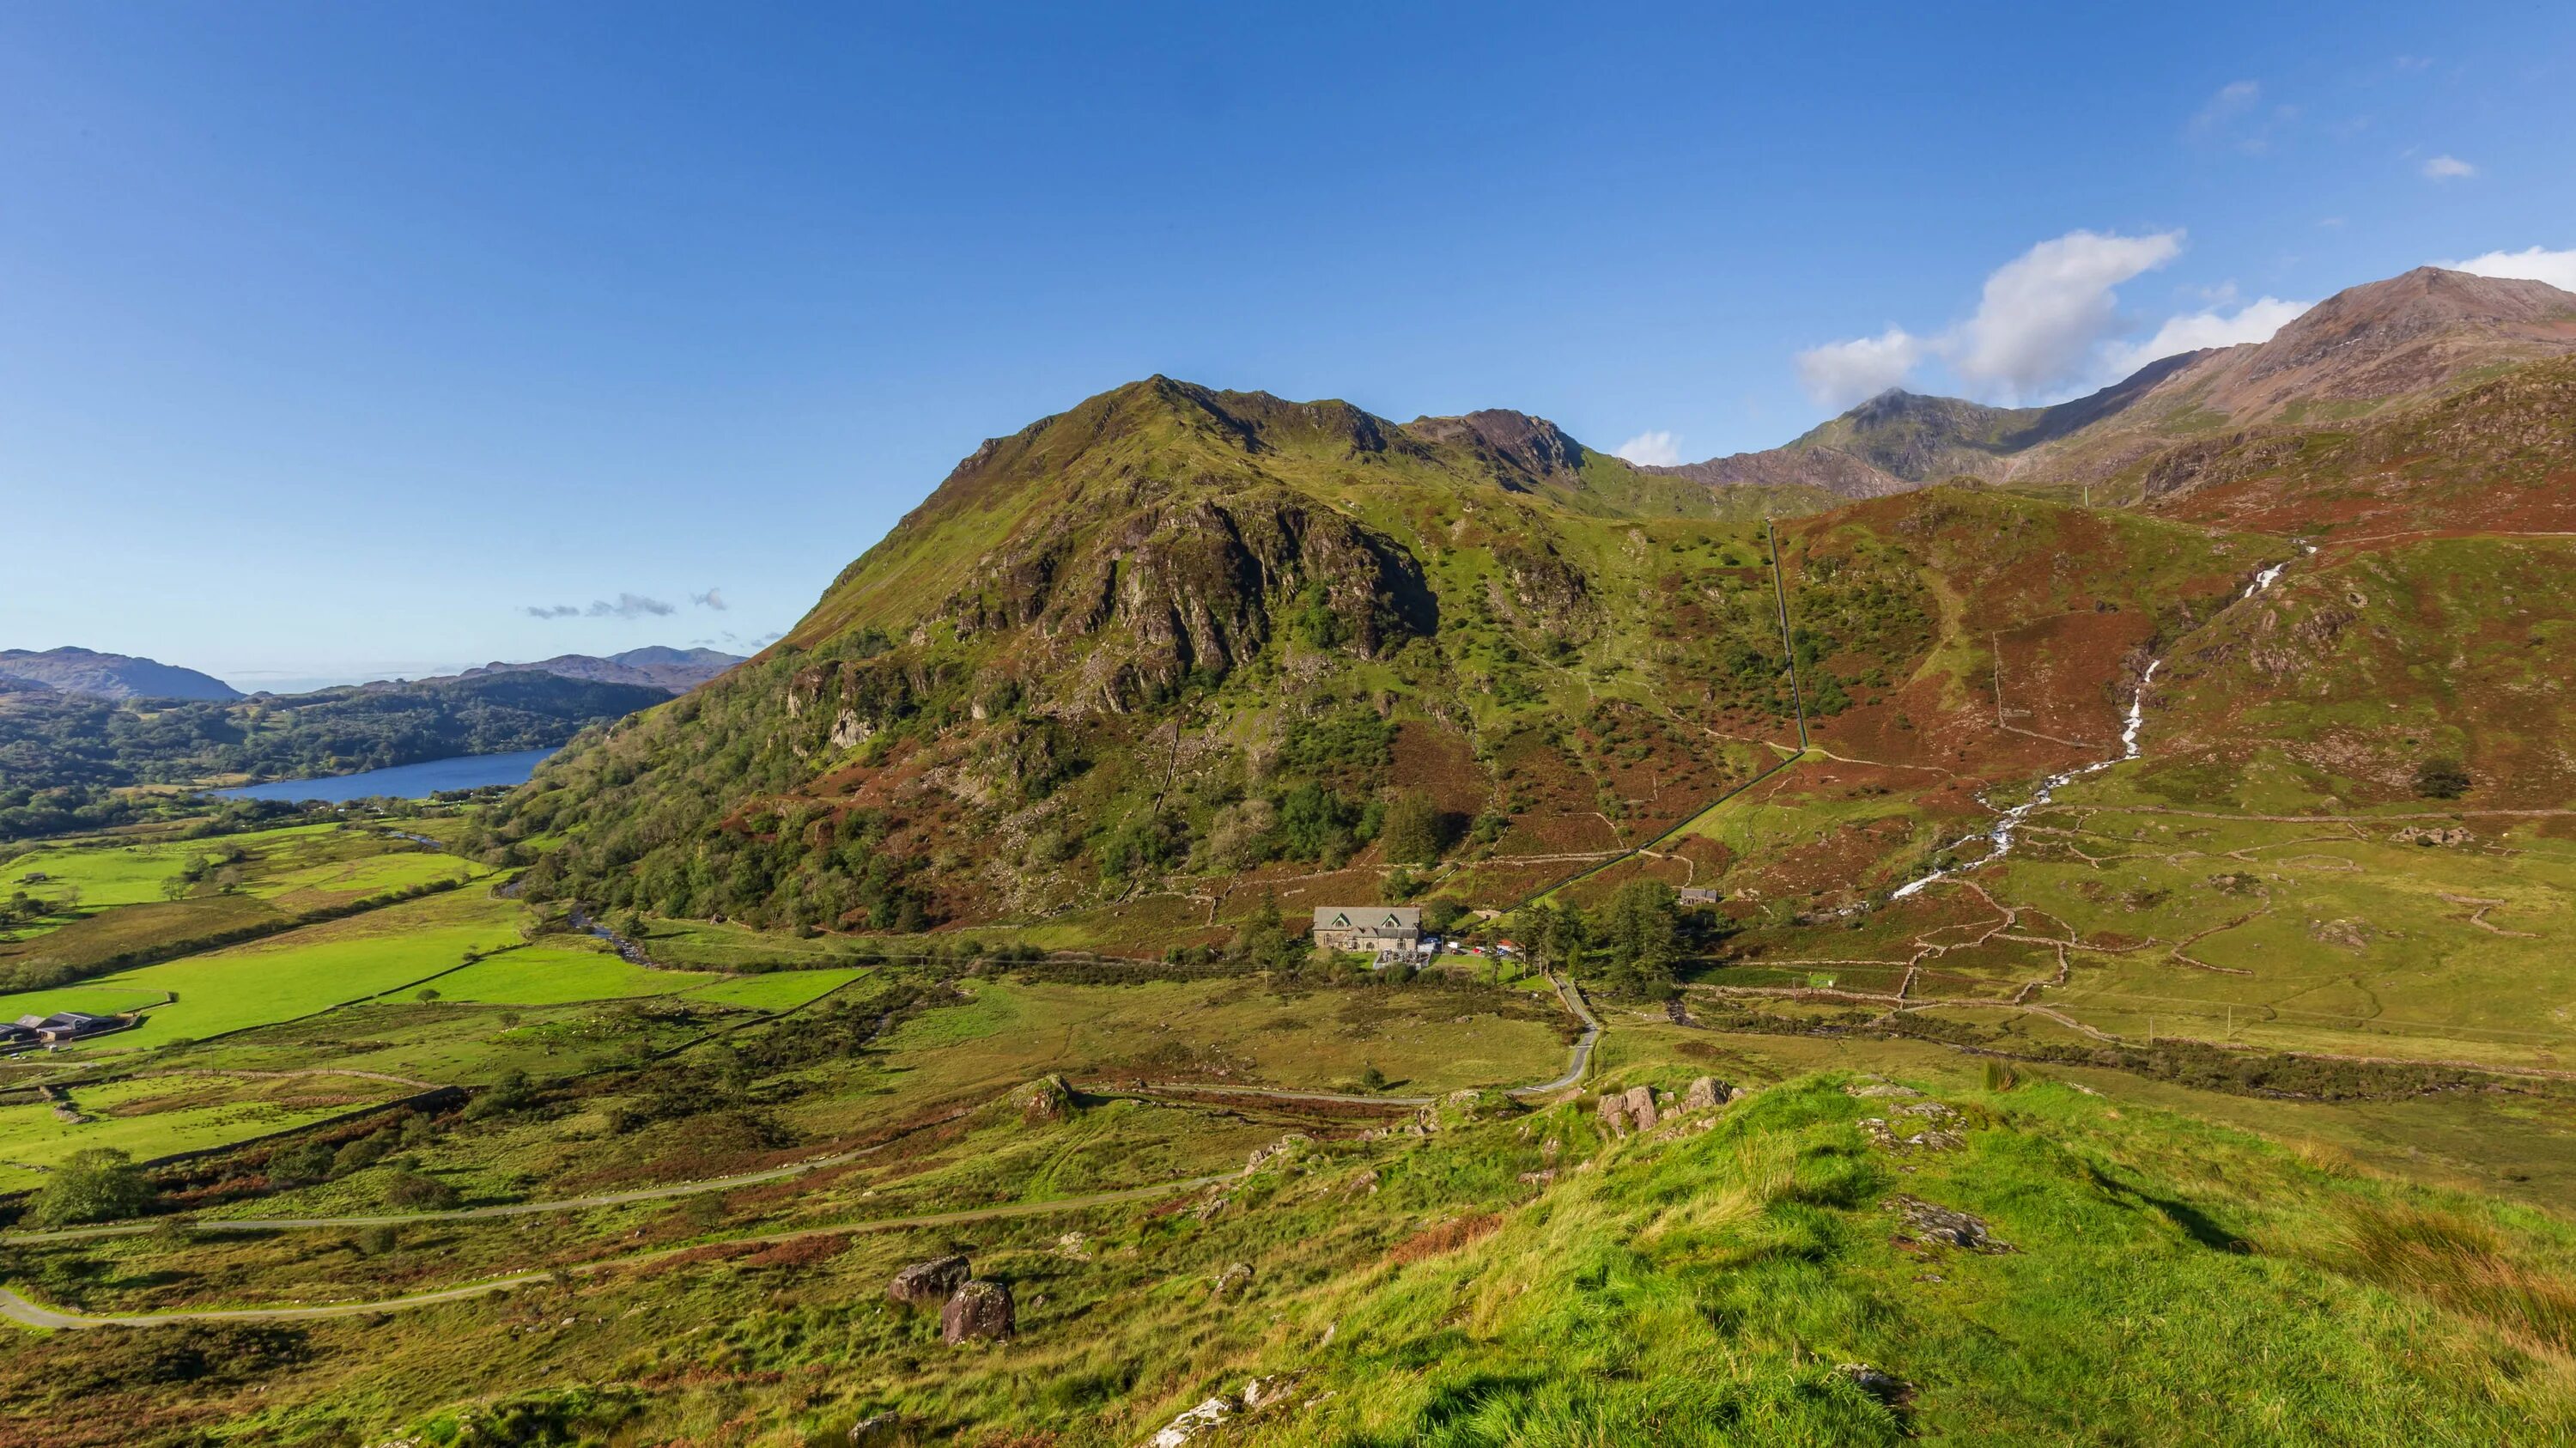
pixel 932 1281
pixel 881 1430
pixel 1233 1280
pixel 1705 1093
pixel 1641 1107
pixel 978 1311
pixel 1047 1098
pixel 1614 1114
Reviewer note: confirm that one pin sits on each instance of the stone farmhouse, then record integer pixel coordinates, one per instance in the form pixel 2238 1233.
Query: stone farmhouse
pixel 1368 929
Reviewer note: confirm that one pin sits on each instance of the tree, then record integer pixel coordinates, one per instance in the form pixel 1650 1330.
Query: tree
pixel 415 1191
pixel 1263 940
pixel 1412 832
pixel 98 1184
pixel 1643 939
pixel 2442 779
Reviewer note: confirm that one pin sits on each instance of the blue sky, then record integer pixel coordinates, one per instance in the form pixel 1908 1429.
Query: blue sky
pixel 337 341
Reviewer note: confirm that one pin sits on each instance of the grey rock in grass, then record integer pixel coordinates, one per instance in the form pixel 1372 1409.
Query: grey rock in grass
pixel 978 1311
pixel 1946 1225
pixel 1641 1108
pixel 1614 1114
pixel 881 1430
pixel 1233 1280
pixel 1888 1388
pixel 932 1281
pixel 1707 1093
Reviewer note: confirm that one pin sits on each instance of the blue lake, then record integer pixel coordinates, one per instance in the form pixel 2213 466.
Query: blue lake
pixel 403 781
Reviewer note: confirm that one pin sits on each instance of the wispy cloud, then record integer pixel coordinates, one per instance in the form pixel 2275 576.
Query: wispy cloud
pixel 2448 168
pixel 2233 101
pixel 627 605
pixel 2558 268
pixel 713 598
pixel 1651 450
pixel 1839 374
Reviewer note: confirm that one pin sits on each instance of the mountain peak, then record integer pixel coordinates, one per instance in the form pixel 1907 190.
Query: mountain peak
pixel 1529 445
pixel 111 676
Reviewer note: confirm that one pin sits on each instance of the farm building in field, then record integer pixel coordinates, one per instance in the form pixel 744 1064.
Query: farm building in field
pixel 62 1026
pixel 1368 929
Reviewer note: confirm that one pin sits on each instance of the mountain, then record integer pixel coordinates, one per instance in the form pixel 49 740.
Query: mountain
pixel 1178 641
pixel 111 676
pixel 675 670
pixel 2409 338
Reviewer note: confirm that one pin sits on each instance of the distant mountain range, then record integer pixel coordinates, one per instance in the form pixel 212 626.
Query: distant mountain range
pixel 678 670
pixel 96 675
pixel 2352 355
pixel 110 676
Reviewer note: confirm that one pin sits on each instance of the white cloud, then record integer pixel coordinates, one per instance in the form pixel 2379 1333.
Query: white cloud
pixel 2448 168
pixel 1839 374
pixel 2255 321
pixel 2046 313
pixel 713 598
pixel 2558 268
pixel 2233 100
pixel 1651 450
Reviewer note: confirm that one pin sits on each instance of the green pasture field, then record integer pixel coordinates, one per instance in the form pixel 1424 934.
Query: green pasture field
pixel 111 875
pixel 560 974
pixel 301 971
pixel 444 1043
pixel 148 1117
pixel 696 944
pixel 336 882
pixel 776 990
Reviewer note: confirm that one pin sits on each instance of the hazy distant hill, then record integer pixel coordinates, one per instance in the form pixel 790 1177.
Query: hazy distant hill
pixel 111 676
pixel 677 670
pixel 50 739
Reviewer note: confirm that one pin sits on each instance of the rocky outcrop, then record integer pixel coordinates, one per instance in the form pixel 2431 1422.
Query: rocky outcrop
pixel 932 1281
pixel 1943 1226
pixel 1046 1099
pixel 1193 586
pixel 1630 1110
pixel 978 1311
pixel 1234 1281
pixel 1191 1426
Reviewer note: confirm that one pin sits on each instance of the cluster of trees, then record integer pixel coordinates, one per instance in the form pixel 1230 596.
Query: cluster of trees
pixel 1632 946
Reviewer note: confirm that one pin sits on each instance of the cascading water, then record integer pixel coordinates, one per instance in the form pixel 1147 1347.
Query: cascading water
pixel 2000 835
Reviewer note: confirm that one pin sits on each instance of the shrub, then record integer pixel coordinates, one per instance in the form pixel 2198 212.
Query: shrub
pixel 99 1184
pixel 2442 779
pixel 414 1191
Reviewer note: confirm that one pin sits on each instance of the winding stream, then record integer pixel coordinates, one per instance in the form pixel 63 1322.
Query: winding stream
pixel 2001 833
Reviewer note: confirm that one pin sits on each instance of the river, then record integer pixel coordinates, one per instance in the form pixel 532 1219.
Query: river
pixel 403 781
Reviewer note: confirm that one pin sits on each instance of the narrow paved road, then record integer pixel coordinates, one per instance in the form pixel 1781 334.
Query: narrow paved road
pixel 18 1309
